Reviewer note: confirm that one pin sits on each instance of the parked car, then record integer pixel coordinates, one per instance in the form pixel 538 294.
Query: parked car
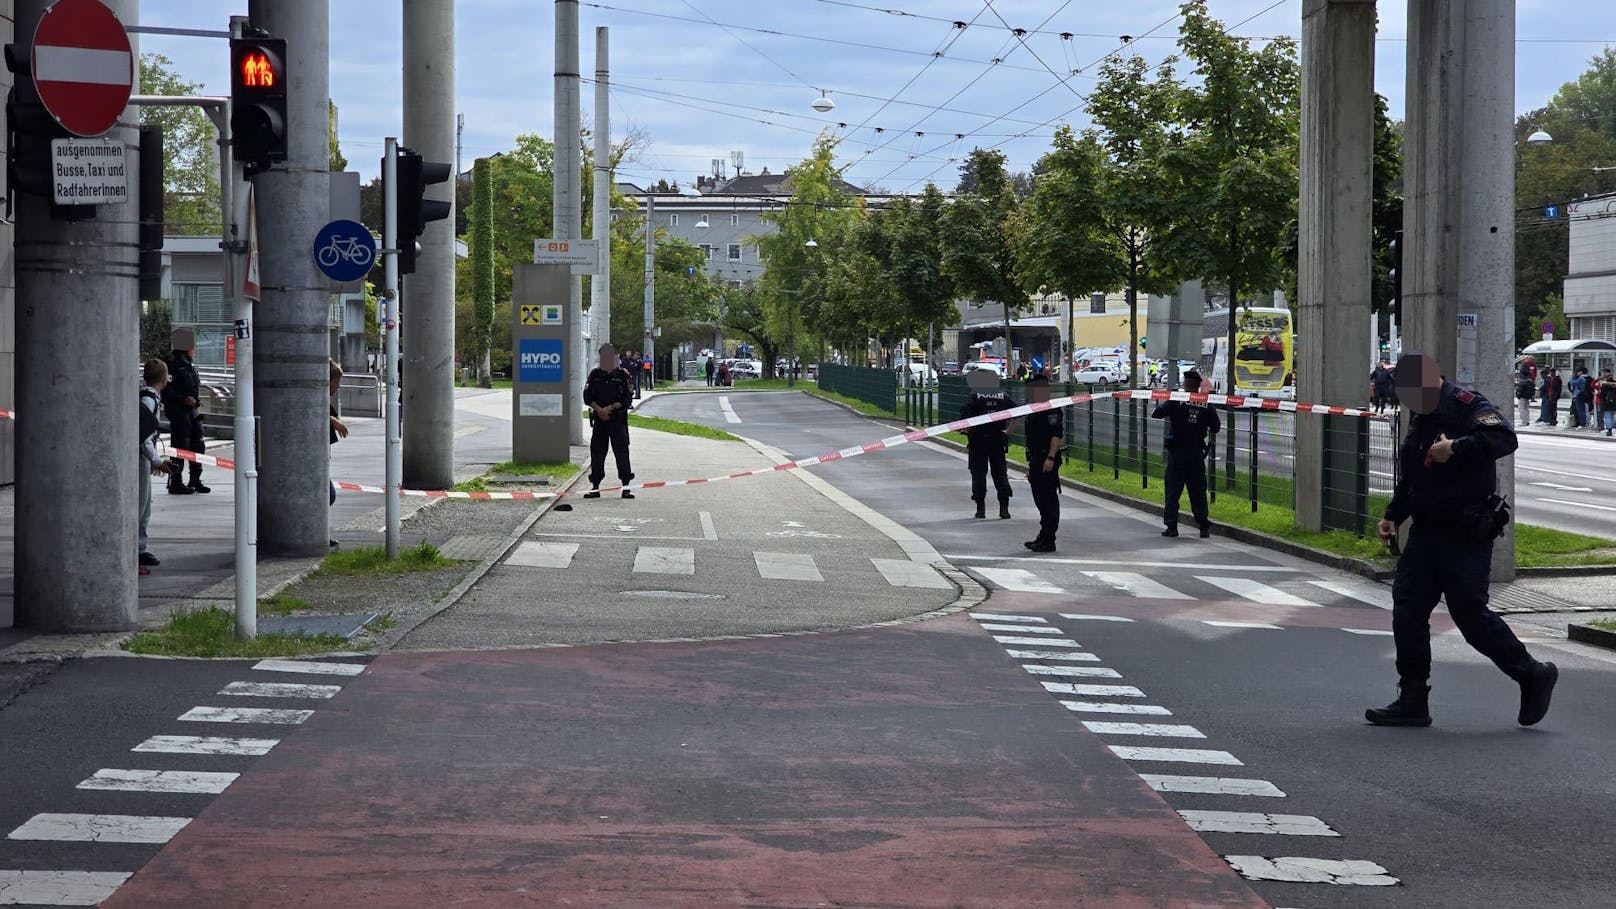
pixel 950 368
pixel 921 374
pixel 995 368
pixel 1101 372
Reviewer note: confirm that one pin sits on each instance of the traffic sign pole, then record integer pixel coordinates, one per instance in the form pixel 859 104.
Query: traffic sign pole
pixel 390 328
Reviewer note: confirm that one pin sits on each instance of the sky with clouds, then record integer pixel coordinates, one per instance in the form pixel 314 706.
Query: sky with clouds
pixel 704 78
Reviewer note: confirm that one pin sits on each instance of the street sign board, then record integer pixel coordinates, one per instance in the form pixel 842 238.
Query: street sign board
pixel 1551 212
pixel 566 252
pixel 83 66
pixel 344 251
pixel 89 172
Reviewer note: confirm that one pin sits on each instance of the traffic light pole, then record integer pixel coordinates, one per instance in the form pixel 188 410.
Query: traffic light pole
pixel 390 328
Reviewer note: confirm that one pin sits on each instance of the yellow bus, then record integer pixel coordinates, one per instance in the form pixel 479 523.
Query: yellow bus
pixel 1264 351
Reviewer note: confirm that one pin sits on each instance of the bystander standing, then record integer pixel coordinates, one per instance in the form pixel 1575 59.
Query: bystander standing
pixel 152 462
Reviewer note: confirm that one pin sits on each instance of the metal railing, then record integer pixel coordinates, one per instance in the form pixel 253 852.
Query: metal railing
pixel 1117 440
pixel 876 387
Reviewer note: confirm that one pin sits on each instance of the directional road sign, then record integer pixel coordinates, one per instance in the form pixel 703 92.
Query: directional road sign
pixel 345 251
pixel 83 66
pixel 547 251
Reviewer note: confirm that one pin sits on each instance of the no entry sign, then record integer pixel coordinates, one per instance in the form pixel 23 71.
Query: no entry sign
pixel 83 66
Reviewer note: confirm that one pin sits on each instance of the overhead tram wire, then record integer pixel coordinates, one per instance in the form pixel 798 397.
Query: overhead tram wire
pixel 1021 36
pixel 744 43
pixel 957 29
pixel 837 91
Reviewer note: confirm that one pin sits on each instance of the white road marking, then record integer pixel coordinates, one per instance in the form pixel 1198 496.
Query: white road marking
pixel 1174 755
pixel 1578 504
pixel 1310 871
pixel 907 573
pixel 993 617
pixel 709 531
pixel 99 828
pixel 1094 618
pixel 1026 629
pixel 1107 707
pixel 729 412
pixel 1377 632
pixel 664 560
pixel 194 781
pixel 1256 592
pixel 1077 657
pixel 1372 594
pixel 1240 625
pixel 309 667
pixel 245 715
pixel 1083 672
pixel 786 566
pixel 1116 563
pixel 280 690
pixel 1250 822
pixel 1161 730
pixel 59 888
pixel 533 554
pixel 201 744
pixel 1016 579
pixel 1040 642
pixel 1093 691
pixel 1563 488
pixel 1137 585
pixel 1211 785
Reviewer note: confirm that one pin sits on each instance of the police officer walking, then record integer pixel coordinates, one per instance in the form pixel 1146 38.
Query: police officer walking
pixel 1447 485
pixel 987 444
pixel 1191 431
pixel 609 392
pixel 1044 433
pixel 181 404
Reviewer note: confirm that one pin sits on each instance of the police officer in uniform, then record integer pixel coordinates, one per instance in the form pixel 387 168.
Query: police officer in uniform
pixel 609 392
pixel 1447 485
pixel 987 443
pixel 1045 433
pixel 181 401
pixel 1191 430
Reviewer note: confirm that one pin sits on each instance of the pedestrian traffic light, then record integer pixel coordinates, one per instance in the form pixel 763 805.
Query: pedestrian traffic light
pixel 258 101
pixel 414 209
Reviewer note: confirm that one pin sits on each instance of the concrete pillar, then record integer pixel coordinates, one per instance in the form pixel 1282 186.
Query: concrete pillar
pixel 78 330
pixel 428 313
pixel 291 347
pixel 1336 232
pixel 567 198
pixel 1459 214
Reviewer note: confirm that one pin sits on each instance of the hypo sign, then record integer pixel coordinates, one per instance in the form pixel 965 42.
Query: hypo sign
pixel 539 360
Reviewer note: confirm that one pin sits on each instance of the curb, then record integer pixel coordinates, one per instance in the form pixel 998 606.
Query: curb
pixel 1595 637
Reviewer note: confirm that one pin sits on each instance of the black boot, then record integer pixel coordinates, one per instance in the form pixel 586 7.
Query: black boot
pixel 1536 689
pixel 1412 707
pixel 176 480
pixel 1042 544
pixel 1171 531
pixel 196 480
pixel 1206 530
pixel 981 510
pixel 1004 509
pixel 593 493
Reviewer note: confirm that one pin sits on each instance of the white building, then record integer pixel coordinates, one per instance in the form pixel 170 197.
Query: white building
pixel 1590 285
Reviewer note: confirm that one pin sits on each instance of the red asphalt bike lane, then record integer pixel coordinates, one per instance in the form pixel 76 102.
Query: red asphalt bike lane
pixel 908 766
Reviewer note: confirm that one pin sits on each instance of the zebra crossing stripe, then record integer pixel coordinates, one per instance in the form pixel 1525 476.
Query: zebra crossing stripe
pixel 786 566
pixel 1018 580
pixel 907 573
pixel 1175 755
pixel 1093 691
pixel 310 667
pixel 538 554
pixel 59 888
pixel 202 744
pixel 995 617
pixel 1248 822
pixel 99 828
pixel 1241 625
pixel 1371 632
pixel 1079 617
pixel 185 781
pixel 1158 730
pixel 1022 629
pixel 1211 785
pixel 1075 657
pixel 280 690
pixel 1040 642
pixel 1137 585
pixel 266 715
pixel 1255 591
pixel 1108 707
pixel 665 560
pixel 1363 593
pixel 1091 672
pixel 1296 870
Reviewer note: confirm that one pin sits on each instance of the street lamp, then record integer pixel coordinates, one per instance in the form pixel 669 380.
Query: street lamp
pixel 823 103
pixel 1539 137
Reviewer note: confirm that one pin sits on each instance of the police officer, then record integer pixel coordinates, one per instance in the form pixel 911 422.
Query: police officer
pixel 1191 430
pixel 1045 433
pixel 609 392
pixel 987 443
pixel 1447 485
pixel 181 403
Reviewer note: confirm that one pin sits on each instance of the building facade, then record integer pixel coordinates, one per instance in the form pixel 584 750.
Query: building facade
pixel 1590 285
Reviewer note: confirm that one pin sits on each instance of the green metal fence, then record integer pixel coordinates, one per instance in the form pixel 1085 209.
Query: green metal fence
pixel 876 387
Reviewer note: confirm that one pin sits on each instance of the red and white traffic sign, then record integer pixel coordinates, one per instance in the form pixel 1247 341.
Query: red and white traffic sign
pixel 83 66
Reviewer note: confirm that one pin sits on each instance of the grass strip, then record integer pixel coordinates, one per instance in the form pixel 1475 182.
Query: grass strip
pixel 281 604
pixel 211 632
pixel 1605 624
pixel 1545 547
pixel 558 471
pixel 373 560
pixel 679 428
pixel 863 407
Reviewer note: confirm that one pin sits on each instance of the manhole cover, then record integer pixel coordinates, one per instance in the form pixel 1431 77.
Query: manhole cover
pixel 671 595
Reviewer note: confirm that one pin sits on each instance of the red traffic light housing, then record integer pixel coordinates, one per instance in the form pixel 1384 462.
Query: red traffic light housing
pixel 414 209
pixel 258 101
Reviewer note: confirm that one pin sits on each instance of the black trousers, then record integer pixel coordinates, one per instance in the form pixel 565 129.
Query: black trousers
pixel 611 433
pixel 1186 470
pixel 985 456
pixel 1046 495
pixel 1437 564
pixel 185 432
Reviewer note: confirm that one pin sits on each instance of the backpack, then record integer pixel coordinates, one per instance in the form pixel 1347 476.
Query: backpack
pixel 148 415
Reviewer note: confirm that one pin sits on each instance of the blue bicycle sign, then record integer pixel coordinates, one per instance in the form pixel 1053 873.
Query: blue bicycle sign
pixel 344 251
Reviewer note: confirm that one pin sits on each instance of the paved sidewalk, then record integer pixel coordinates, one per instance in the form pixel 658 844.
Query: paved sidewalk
pixel 194 535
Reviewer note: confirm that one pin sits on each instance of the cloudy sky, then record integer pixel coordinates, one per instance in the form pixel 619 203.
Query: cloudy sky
pixel 705 78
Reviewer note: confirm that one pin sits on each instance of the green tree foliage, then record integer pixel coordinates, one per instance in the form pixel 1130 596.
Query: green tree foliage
pixel 339 162
pixel 190 151
pixel 979 246
pixel 482 268
pixel 744 314
pixel 1386 212
pixel 1235 173
pixel 1065 241
pixel 156 329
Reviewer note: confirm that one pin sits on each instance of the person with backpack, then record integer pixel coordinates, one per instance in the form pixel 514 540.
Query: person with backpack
pixel 1607 402
pixel 152 462
pixel 1581 396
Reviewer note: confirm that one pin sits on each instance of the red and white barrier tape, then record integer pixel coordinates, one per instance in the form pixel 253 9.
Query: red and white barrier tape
pixel 916 435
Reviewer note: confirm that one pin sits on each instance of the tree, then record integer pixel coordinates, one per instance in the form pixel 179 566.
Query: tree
pixel 1235 172
pixel 482 269
pixel 916 267
pixel 1591 98
pixel 190 151
pixel 744 314
pixel 1386 206
pixel 339 162
pixel 979 245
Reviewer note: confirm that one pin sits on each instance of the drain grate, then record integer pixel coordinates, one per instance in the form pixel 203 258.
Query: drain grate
pixel 1511 600
pixel 470 547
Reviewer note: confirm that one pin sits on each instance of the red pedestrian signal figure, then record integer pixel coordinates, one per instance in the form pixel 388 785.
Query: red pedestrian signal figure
pixel 257 70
